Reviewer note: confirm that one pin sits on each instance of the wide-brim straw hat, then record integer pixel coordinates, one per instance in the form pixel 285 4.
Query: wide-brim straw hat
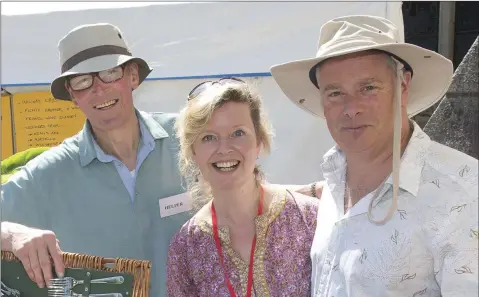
pixel 92 48
pixel 432 73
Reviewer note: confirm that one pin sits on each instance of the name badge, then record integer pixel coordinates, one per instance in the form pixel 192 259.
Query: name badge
pixel 175 204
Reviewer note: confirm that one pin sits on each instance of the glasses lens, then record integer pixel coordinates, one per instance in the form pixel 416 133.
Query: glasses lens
pixel 198 89
pixel 201 87
pixel 111 75
pixel 84 81
pixel 81 82
pixel 230 80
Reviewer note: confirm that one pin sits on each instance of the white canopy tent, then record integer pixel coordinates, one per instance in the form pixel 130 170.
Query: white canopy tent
pixel 187 43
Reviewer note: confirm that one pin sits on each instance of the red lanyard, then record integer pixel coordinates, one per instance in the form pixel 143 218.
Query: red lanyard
pixel 218 248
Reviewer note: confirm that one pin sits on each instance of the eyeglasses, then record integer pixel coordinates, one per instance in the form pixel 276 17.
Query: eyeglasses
pixel 84 81
pixel 204 85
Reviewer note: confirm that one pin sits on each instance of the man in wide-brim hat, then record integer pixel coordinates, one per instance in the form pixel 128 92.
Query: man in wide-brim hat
pixel 99 191
pixel 399 212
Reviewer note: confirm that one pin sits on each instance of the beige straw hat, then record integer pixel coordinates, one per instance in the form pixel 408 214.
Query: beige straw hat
pixel 432 73
pixel 93 48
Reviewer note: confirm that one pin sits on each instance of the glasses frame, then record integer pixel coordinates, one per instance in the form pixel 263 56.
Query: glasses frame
pixel 97 74
pixel 204 85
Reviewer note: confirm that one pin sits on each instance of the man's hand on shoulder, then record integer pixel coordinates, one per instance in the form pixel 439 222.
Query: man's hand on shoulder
pixel 33 247
pixel 313 190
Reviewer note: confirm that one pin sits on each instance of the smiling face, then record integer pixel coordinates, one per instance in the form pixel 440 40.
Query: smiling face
pixel 108 106
pixel 227 149
pixel 357 93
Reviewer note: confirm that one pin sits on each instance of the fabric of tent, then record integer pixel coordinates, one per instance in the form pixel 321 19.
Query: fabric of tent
pixel 181 41
pixel 188 43
pixel 455 121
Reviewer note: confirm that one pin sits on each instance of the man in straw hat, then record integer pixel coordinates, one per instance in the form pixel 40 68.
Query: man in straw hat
pixel 399 212
pixel 99 191
pixel 112 190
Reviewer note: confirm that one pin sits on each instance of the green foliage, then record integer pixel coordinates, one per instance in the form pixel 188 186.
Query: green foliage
pixel 13 163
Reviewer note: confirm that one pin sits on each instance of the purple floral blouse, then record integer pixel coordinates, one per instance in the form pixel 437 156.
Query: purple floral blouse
pixel 282 264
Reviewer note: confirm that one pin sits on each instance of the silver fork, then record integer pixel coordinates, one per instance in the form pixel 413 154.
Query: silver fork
pixel 64 286
pixel 6 291
pixel 73 294
pixel 71 282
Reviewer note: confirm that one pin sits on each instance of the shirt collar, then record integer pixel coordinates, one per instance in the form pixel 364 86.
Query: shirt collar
pixel 150 130
pixel 412 162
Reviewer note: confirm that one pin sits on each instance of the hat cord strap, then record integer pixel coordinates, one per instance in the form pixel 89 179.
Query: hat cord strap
pixel 396 153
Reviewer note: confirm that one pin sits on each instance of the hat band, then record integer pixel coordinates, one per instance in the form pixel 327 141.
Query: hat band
pixel 93 52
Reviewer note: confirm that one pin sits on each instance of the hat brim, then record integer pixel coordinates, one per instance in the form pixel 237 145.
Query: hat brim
pixel 432 77
pixel 57 87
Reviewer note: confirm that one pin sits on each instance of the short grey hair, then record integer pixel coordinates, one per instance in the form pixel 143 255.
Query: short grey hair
pixel 392 63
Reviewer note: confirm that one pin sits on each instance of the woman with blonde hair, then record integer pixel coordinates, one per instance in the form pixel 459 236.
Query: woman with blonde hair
pixel 248 238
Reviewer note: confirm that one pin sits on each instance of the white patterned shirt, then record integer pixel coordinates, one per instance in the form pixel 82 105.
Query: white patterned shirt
pixel 428 248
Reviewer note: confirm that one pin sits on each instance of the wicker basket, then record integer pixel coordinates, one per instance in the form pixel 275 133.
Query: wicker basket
pixel 139 269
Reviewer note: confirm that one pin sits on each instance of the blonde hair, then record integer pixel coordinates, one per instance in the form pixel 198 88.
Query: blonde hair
pixel 195 116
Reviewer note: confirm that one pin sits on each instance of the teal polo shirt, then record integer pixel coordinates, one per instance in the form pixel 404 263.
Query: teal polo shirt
pixel 84 201
pixel 145 147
